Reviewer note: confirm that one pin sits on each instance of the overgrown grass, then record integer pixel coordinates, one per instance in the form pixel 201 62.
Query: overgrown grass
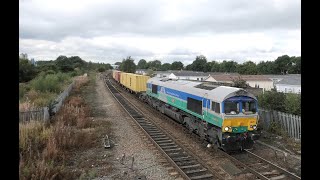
pixel 44 88
pixel 43 149
pixel 50 82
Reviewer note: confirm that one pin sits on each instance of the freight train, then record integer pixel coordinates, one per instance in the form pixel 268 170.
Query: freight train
pixel 222 115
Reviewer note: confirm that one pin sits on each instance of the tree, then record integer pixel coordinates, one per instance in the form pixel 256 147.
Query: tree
pixel 272 100
pixel 215 66
pixel 228 66
pixel 199 64
pixel 293 104
pixel 189 67
pixel 155 65
pixel 27 71
pixel 248 67
pixel 296 65
pixel 101 69
pixel 283 64
pixel 239 82
pixel 266 67
pixel 128 65
pixel 142 64
pixel 177 65
pixel 165 66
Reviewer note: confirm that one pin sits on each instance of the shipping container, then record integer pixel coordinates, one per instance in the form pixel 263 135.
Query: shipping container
pixel 116 75
pixel 134 82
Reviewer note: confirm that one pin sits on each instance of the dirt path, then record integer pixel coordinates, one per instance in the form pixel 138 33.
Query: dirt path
pixel 126 144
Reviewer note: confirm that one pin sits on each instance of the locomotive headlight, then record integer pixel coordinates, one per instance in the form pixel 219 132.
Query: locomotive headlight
pixel 254 127
pixel 226 128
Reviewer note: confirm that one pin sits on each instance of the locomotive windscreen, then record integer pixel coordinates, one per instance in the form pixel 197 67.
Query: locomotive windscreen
pixel 194 105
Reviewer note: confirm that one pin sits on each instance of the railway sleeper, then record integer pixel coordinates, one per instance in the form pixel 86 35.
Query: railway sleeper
pixel 158 135
pixel 164 141
pixel 273 172
pixel 190 166
pixel 175 154
pixel 160 138
pixel 181 158
pixel 167 144
pixel 170 150
pixel 278 177
pixel 168 147
pixel 195 171
pixel 205 176
pixel 190 162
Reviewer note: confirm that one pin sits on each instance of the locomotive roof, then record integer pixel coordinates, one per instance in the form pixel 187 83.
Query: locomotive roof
pixel 218 93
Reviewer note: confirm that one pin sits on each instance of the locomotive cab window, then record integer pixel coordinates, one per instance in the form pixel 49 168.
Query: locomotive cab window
pixel 249 107
pixel 154 89
pixel 231 107
pixel 216 107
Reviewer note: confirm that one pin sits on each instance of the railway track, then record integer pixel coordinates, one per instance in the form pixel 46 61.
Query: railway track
pixel 188 166
pixel 260 167
pixel 247 161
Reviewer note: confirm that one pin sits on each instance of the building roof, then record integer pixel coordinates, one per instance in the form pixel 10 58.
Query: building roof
pixel 193 73
pixel 291 80
pixel 141 69
pixel 226 77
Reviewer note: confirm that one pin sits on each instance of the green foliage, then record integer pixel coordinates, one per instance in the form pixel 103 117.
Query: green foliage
pixel 266 67
pixel 101 69
pixel 49 82
pixel 128 65
pixel 239 82
pixel 142 64
pixel 283 64
pixel 228 66
pixel 188 67
pixel 177 65
pixel 293 104
pixel 165 66
pixel 27 71
pixel 155 65
pixel 65 64
pixel 248 67
pixel 23 89
pixel 272 100
pixel 199 64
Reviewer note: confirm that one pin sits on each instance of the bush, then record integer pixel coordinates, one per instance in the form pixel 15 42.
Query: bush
pixel 23 89
pixel 101 69
pixel 272 100
pixel 278 101
pixel 293 104
pixel 49 82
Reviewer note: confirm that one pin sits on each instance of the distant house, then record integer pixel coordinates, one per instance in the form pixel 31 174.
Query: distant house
pixel 287 83
pixel 188 75
pixel 114 66
pixel 257 81
pixel 33 62
pixel 141 71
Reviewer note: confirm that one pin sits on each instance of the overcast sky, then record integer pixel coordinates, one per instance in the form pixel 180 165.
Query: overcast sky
pixel 168 30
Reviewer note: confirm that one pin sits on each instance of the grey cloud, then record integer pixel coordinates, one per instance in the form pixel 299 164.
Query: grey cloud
pixel 144 18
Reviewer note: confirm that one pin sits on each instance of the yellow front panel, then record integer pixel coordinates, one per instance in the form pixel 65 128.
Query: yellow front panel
pixel 239 121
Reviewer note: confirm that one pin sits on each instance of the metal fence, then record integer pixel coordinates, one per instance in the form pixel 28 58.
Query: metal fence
pixel 42 113
pixel 288 122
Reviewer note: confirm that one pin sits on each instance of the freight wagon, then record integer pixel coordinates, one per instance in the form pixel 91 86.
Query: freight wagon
pixel 134 82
